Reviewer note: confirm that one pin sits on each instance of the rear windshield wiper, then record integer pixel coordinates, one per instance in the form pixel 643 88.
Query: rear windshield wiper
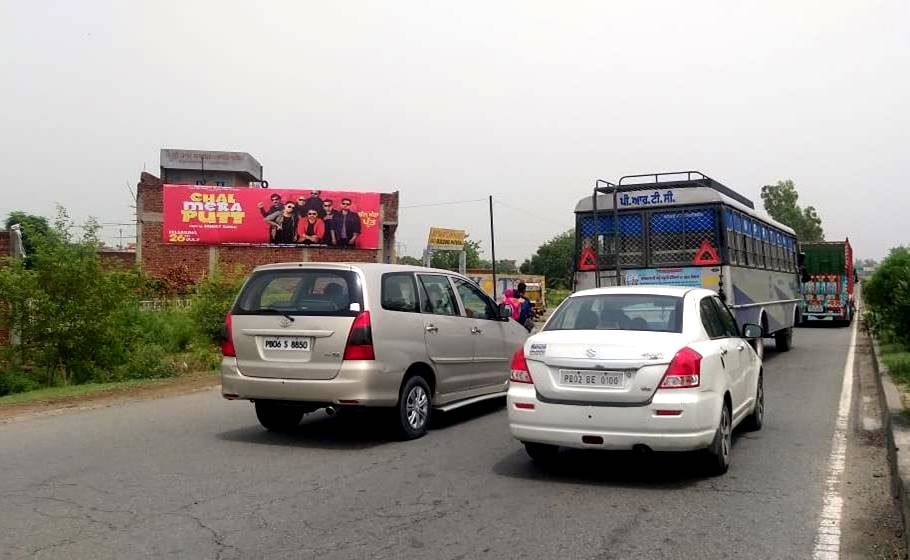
pixel 278 311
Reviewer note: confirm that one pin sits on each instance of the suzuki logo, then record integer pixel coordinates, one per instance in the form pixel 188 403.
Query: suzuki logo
pixel 284 323
pixel 591 353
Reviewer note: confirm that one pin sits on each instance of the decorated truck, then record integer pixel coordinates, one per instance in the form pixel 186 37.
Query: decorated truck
pixel 828 293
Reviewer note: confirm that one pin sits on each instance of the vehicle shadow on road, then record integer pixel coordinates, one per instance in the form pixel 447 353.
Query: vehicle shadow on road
pixel 626 469
pixel 354 429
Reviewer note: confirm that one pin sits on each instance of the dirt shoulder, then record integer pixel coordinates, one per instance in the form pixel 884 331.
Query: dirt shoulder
pixel 108 396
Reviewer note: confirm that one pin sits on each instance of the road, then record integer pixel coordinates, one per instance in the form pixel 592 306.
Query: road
pixel 196 477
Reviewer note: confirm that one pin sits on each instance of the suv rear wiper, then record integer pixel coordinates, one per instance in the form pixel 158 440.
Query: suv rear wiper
pixel 280 312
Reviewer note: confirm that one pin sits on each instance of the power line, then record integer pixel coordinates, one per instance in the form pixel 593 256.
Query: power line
pixel 528 212
pixel 450 203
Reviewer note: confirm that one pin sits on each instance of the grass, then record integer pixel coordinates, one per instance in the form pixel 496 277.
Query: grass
pixel 556 296
pixel 86 390
pixel 898 365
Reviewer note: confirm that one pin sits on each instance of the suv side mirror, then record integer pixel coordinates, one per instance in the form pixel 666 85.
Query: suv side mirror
pixel 753 331
pixel 505 311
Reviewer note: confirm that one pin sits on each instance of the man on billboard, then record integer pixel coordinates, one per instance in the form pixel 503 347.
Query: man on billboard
pixel 346 228
pixel 275 207
pixel 283 224
pixel 311 229
pixel 304 205
pixel 330 214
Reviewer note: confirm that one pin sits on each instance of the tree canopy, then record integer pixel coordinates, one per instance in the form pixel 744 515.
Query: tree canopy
pixel 554 260
pixel 781 203
pixel 33 228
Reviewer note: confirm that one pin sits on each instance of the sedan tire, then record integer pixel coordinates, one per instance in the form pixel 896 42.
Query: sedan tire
pixel 718 454
pixel 756 420
pixel 276 417
pixel 543 454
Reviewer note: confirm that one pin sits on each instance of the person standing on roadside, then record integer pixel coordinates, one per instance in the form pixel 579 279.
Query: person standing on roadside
pixel 526 316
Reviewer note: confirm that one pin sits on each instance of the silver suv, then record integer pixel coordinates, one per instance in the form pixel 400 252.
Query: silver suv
pixel 304 336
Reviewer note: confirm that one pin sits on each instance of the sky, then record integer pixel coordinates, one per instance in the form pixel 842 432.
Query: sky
pixel 447 102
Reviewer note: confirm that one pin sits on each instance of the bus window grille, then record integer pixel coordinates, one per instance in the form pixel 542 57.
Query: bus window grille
pixel 676 236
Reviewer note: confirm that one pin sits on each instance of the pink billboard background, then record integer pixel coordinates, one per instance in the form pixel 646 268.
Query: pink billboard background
pixel 202 215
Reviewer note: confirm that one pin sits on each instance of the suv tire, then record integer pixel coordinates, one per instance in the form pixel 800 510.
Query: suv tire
pixel 415 404
pixel 543 454
pixel 277 417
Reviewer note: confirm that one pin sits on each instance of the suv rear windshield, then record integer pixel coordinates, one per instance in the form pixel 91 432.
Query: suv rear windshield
pixel 305 291
pixel 619 312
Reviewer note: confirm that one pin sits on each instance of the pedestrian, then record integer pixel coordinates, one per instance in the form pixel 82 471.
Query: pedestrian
pixel 508 298
pixel 346 228
pixel 526 317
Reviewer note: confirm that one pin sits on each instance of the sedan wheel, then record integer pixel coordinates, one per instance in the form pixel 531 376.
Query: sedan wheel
pixel 719 453
pixel 756 420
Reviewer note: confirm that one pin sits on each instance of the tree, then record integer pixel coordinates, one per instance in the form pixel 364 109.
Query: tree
pixel 781 203
pixel 33 228
pixel 412 261
pixel 448 260
pixel 554 260
pixel 888 298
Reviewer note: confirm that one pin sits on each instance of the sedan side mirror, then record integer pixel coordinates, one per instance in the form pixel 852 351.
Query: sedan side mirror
pixel 505 311
pixel 753 331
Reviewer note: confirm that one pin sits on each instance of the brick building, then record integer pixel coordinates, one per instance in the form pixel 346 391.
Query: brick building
pixel 192 262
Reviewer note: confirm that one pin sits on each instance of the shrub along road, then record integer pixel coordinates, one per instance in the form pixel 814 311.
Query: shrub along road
pixel 195 477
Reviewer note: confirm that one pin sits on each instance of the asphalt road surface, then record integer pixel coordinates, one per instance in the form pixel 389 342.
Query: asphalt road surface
pixel 196 477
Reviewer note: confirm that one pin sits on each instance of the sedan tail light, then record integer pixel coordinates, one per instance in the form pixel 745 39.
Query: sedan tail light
pixel 520 371
pixel 684 372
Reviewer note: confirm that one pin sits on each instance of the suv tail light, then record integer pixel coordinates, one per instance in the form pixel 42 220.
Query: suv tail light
pixel 520 371
pixel 227 339
pixel 684 372
pixel 360 339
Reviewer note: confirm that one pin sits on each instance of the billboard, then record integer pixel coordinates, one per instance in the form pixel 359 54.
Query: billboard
pixel 200 215
pixel 446 239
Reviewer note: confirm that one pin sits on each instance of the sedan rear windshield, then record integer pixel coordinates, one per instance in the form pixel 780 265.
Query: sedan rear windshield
pixel 301 292
pixel 619 312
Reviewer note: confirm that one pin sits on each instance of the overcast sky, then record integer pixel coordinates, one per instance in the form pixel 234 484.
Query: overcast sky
pixel 527 101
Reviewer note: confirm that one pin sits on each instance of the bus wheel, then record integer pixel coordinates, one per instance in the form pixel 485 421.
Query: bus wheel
pixel 783 339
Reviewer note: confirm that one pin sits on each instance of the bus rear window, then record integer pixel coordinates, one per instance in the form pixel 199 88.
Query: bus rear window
pixel 301 292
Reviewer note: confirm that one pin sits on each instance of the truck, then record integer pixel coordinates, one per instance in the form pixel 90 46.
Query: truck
pixel 828 289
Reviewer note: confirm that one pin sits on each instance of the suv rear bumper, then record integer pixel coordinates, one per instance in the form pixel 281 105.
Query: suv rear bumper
pixel 362 381
pixel 620 427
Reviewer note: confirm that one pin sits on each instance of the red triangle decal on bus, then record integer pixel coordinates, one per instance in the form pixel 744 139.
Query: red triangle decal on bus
pixel 588 260
pixel 706 254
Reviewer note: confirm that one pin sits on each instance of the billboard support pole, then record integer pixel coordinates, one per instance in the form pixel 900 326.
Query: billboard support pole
pixel 493 247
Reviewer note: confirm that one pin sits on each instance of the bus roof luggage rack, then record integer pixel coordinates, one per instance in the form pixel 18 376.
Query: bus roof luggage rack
pixel 676 180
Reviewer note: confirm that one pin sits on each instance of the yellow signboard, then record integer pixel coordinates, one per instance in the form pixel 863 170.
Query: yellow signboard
pixel 448 239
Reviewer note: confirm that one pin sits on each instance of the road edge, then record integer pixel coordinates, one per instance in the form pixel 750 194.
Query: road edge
pixel 897 434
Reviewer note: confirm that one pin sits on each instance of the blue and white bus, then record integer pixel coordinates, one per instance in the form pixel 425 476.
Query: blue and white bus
pixel 687 229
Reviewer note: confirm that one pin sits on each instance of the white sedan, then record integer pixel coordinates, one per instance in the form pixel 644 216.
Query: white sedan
pixel 644 368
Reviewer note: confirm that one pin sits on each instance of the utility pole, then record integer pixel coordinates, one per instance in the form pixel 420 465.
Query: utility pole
pixel 493 247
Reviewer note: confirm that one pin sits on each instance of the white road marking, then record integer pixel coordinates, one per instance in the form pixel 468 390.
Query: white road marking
pixel 827 539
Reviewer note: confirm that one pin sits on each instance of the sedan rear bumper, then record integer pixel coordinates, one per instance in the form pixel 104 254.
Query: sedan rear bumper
pixel 358 382
pixel 694 420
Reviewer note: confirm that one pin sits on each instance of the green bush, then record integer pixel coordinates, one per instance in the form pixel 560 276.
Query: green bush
pixel 887 294
pixel 212 299
pixel 17 382
pixel 898 365
pixel 146 361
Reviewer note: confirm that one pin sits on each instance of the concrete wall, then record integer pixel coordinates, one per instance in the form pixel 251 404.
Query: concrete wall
pixel 193 262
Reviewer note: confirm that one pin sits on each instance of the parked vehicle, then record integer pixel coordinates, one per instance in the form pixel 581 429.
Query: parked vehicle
pixel 644 368
pixel 536 285
pixel 304 336
pixel 686 229
pixel 828 293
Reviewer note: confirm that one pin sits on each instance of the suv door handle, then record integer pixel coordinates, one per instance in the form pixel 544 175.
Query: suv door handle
pixel 723 351
pixel 741 347
pixel 476 330
pixel 432 328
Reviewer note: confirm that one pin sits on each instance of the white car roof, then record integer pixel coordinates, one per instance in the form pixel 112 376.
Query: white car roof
pixel 678 291
pixel 372 267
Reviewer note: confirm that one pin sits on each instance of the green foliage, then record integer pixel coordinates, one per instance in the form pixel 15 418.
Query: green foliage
pixel 33 228
pixel 411 261
pixel 898 365
pixel 781 203
pixel 887 295
pixel 16 382
pixel 212 299
pixel 556 296
pixel 448 260
pixel 554 259
pixel 145 361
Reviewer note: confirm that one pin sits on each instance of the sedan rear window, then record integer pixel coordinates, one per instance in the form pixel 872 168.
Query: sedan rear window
pixel 301 292
pixel 619 312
